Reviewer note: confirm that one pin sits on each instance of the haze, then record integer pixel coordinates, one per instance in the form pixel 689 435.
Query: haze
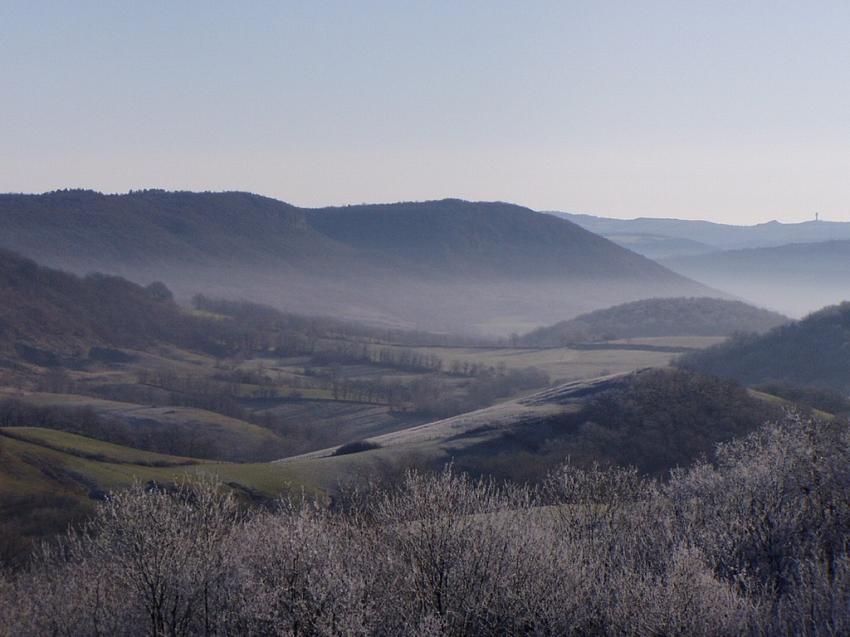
pixel 727 111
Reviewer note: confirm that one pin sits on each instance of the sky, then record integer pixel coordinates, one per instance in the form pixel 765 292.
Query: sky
pixel 738 112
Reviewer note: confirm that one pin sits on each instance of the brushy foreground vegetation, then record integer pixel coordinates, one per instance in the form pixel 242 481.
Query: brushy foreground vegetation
pixel 755 544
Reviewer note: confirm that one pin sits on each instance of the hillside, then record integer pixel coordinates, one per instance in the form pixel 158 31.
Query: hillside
pixel 810 352
pixel 171 429
pixel 67 315
pixel 492 267
pixel 797 278
pixel 654 419
pixel 86 230
pixel 49 479
pixel 658 317
pixel 50 317
pixel 481 239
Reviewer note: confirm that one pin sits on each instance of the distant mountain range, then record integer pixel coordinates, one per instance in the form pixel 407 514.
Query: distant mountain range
pixel 445 265
pixel 665 238
pixel 794 268
pixel 795 278
pixel 658 317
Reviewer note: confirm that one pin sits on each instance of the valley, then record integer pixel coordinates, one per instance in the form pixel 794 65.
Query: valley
pixel 105 382
pixel 429 319
pixel 110 389
pixel 250 395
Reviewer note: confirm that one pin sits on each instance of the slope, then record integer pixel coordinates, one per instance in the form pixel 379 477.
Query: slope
pixel 484 240
pixel 50 479
pixel 810 352
pixel 67 315
pixel 83 229
pixel 654 419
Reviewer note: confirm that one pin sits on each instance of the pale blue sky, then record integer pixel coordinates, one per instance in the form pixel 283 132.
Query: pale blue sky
pixel 733 111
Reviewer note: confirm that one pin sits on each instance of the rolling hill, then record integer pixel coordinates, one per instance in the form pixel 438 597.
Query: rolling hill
pixel 51 479
pixel 654 419
pixel 198 433
pixel 658 317
pixel 84 230
pixel 444 265
pixel 812 352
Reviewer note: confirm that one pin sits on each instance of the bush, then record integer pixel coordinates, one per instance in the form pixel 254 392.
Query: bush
pixel 356 447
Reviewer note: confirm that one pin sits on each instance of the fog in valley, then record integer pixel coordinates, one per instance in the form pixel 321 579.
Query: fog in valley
pixel 424 319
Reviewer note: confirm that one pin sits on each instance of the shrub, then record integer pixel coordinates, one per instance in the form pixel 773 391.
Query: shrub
pixel 356 447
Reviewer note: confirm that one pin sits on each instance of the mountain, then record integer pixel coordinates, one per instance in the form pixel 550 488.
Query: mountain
pixel 84 229
pixel 444 265
pixel 658 317
pixel 796 278
pixel 662 238
pixel 812 352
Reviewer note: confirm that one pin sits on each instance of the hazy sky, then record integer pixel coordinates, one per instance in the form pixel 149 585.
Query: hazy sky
pixel 734 111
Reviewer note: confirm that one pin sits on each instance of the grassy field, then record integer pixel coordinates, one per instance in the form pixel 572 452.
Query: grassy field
pixel 222 431
pixel 91 448
pixel 787 403
pixel 685 342
pixel 562 363
pixel 50 480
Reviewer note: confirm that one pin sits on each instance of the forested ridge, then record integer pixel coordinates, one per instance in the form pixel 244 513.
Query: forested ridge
pixel 810 352
pixel 658 317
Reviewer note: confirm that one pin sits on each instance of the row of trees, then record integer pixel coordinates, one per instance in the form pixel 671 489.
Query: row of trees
pixel 757 544
pixel 432 394
pixel 352 352
pixel 435 396
pixel 263 319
